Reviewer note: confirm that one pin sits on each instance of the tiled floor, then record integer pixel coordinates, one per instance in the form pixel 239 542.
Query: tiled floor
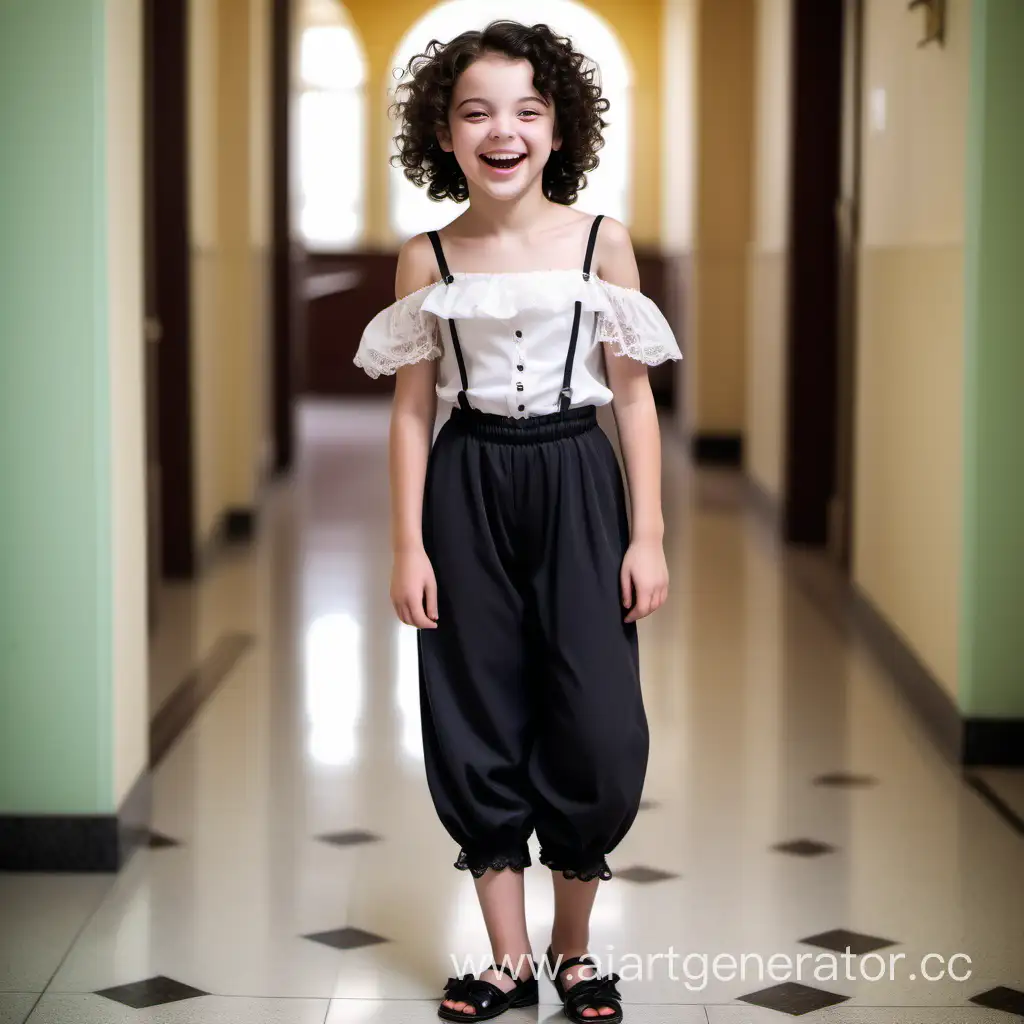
pixel 793 807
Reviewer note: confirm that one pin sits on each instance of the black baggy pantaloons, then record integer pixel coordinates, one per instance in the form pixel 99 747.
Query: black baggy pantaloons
pixel 531 704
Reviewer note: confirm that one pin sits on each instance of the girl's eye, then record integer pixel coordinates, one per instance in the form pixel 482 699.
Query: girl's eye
pixel 475 113
pixel 529 113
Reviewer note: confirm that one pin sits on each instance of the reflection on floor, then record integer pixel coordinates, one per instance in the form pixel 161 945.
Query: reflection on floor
pixel 793 808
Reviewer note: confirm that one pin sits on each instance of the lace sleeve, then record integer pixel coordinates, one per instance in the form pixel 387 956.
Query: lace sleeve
pixel 635 327
pixel 398 336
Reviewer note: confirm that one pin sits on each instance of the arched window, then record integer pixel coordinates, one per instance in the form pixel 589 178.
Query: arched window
pixel 607 191
pixel 331 129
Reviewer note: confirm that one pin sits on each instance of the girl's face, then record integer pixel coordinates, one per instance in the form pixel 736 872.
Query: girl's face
pixel 499 128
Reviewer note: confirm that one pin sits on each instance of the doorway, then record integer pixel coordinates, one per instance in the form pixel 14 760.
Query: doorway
pixel 168 292
pixel 821 301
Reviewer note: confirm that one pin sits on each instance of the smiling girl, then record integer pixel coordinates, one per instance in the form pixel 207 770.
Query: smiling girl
pixel 516 553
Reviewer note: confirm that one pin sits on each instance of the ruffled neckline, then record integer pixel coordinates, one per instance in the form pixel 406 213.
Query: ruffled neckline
pixel 503 295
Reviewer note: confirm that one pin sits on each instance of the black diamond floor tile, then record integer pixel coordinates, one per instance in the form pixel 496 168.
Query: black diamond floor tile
pixel 793 998
pixel 840 939
pixel 351 838
pixel 845 779
pixel 804 847
pixel 640 873
pixel 151 992
pixel 1009 1000
pixel 347 938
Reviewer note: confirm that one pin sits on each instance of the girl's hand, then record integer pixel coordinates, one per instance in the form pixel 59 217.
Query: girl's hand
pixel 644 578
pixel 414 589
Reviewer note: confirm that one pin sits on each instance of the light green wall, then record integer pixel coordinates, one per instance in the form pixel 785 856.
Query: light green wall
pixel 56 739
pixel 992 659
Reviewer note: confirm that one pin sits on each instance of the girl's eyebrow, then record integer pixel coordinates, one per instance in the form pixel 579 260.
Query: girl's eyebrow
pixel 522 99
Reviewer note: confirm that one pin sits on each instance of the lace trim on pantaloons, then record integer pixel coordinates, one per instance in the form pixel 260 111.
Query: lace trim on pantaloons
pixel 587 873
pixel 479 863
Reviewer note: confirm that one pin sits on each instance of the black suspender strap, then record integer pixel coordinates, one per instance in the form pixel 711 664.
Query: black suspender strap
pixel 565 395
pixel 591 242
pixel 442 265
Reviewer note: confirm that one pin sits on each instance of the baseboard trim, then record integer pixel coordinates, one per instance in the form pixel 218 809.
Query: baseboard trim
pixel 239 525
pixel 994 742
pixel 78 843
pixel 933 705
pixel 710 449
pixel 997 803
pixel 235 526
pixel 765 505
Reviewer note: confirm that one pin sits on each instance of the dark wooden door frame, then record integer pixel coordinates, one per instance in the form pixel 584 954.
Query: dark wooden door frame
pixel 287 302
pixel 166 64
pixel 848 228
pixel 812 310
pixel 152 333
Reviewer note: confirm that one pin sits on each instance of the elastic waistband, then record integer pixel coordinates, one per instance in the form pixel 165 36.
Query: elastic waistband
pixel 528 429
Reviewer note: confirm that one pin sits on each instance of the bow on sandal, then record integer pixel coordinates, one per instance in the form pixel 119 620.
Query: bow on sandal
pixel 486 998
pixel 596 993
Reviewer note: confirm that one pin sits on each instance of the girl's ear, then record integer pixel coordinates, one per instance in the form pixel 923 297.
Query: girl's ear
pixel 444 139
pixel 556 142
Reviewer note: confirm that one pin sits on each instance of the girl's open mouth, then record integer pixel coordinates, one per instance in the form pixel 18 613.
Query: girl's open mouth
pixel 503 161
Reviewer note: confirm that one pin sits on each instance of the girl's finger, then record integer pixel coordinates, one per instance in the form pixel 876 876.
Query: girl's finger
pixel 431 600
pixel 419 616
pixel 627 589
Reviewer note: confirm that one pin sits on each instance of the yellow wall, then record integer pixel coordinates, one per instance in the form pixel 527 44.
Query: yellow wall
pixel 715 397
pixel 679 128
pixel 230 193
pixel 243 212
pixel 766 318
pixel 208 381
pixel 908 443
pixel 127 407
pixel 637 23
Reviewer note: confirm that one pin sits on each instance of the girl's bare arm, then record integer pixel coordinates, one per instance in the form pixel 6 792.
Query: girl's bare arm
pixel 645 574
pixel 413 412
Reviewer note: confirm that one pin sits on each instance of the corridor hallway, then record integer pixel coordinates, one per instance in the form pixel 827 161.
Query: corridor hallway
pixel 298 874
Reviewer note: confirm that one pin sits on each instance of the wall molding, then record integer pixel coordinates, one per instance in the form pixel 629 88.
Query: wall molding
pixel 717 449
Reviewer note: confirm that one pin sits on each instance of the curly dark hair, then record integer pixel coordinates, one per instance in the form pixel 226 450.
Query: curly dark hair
pixel 560 73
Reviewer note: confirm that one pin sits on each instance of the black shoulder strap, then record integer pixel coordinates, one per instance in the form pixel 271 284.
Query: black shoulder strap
pixel 565 395
pixel 446 276
pixel 591 242
pixel 442 263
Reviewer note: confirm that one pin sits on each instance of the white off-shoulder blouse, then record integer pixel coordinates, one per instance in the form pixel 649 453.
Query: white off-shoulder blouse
pixel 514 330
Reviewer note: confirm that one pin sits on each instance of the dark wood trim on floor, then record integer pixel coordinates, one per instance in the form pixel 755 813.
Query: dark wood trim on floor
pixel 78 843
pixel 997 803
pixel 181 708
pixel 717 449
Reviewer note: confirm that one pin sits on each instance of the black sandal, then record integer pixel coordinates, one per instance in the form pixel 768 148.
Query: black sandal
pixel 485 997
pixel 593 993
